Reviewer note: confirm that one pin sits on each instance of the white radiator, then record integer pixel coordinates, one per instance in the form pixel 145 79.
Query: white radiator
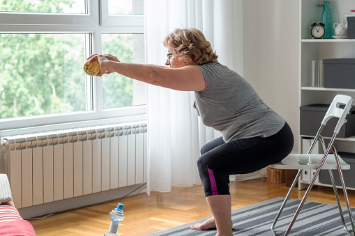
pixel 53 166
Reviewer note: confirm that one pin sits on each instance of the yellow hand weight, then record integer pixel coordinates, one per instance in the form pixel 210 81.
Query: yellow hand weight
pixel 92 68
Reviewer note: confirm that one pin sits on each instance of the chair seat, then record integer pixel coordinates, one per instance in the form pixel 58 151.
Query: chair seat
pixel 301 161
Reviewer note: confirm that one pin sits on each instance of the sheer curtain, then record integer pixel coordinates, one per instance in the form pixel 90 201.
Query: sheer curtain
pixel 175 132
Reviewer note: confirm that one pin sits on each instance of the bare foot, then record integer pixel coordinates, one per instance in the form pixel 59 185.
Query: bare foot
pixel 208 224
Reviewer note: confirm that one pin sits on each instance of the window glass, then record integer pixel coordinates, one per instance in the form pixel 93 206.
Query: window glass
pixel 39 74
pixel 44 6
pixel 125 7
pixel 118 90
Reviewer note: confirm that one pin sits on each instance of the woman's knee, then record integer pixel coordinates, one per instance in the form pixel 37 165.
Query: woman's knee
pixel 201 163
pixel 204 149
pixel 211 145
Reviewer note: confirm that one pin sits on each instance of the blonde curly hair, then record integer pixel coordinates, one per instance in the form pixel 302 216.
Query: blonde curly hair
pixel 191 44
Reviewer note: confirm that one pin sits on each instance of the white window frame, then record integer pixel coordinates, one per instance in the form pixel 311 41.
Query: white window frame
pixel 93 23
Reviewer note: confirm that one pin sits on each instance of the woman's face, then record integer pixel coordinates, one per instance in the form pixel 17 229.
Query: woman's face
pixel 174 61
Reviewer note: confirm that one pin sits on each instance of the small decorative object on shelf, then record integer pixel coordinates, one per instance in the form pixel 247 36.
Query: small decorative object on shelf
pixel 341 29
pixel 320 73
pixel 317 30
pixel 317 73
pixel 327 19
pixel 314 73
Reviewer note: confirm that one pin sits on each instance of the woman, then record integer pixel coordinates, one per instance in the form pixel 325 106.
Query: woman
pixel 253 135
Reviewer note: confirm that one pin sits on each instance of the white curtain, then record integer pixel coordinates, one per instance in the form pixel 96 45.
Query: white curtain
pixel 175 132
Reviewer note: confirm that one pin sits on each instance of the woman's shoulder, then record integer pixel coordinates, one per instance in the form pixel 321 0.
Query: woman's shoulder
pixel 212 63
pixel 216 65
pixel 216 68
pixel 213 66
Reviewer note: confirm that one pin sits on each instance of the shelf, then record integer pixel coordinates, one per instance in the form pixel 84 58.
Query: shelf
pixel 327 40
pixel 352 138
pixel 327 89
pixel 320 49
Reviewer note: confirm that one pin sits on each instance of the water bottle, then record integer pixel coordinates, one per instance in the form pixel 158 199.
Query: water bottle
pixel 116 216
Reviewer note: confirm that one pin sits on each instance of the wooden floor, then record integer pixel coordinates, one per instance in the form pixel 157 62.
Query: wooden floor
pixel 144 215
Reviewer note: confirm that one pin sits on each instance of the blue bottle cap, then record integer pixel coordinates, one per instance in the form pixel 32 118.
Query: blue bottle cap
pixel 119 207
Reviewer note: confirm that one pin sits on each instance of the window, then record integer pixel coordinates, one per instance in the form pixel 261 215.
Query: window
pixel 44 6
pixel 34 71
pixel 126 7
pixel 118 90
pixel 44 45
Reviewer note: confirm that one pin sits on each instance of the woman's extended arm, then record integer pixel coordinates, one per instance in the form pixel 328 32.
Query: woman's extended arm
pixel 187 78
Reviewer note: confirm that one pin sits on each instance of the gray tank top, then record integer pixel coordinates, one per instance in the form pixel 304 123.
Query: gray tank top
pixel 230 105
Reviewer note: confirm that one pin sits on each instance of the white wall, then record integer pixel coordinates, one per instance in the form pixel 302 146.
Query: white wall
pixel 251 48
pixel 271 55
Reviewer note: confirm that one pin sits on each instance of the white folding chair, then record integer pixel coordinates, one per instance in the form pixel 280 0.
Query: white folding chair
pixel 320 161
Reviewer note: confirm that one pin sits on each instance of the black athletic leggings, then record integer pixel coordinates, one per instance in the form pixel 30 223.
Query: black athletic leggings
pixel 219 159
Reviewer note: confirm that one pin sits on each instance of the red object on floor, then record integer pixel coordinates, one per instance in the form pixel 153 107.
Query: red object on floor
pixel 16 228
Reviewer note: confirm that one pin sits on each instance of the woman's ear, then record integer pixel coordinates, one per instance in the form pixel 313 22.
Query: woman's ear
pixel 188 60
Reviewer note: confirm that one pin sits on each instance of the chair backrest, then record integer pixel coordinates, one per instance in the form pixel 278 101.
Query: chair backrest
pixel 335 110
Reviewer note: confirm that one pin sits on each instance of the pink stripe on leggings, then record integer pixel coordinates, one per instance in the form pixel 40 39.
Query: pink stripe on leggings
pixel 213 182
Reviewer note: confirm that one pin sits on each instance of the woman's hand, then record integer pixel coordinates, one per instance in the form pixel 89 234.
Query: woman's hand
pixel 103 60
pixel 111 57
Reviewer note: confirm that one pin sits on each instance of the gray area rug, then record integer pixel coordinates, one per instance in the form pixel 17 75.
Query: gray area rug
pixel 314 219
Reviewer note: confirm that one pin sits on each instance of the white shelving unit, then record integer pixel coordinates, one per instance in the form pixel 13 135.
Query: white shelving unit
pixel 327 40
pixel 318 49
pixel 327 89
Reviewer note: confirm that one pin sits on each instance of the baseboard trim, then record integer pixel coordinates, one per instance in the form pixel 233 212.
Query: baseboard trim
pixel 82 201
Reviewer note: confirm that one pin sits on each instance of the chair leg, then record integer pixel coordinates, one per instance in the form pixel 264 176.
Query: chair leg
pixel 338 202
pixel 284 202
pixel 294 182
pixel 311 184
pixel 344 190
pixel 335 188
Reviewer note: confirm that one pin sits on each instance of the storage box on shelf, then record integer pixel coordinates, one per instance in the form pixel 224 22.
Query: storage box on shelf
pixel 323 49
pixel 351 26
pixel 348 174
pixel 312 115
pixel 339 73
